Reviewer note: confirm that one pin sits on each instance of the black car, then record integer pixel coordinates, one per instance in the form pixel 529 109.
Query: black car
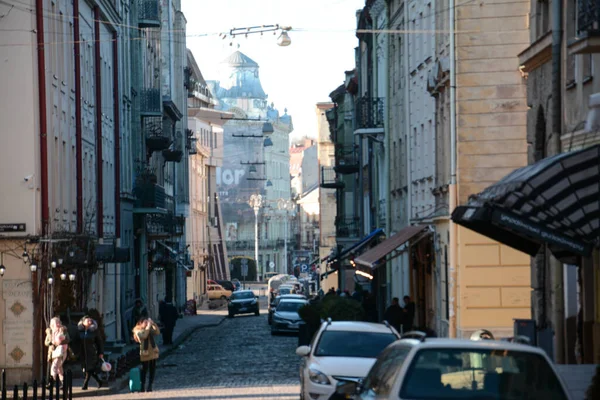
pixel 243 302
pixel 227 285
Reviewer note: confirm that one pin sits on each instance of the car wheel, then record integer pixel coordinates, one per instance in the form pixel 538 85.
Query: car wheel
pixel 257 313
pixel 273 333
pixel 231 315
pixel 223 298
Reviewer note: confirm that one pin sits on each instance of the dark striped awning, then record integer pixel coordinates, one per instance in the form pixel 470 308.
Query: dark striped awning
pixel 554 201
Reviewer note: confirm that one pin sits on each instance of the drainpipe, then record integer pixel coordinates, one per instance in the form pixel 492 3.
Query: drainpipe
pixel 78 117
pixel 98 82
pixel 559 301
pixel 117 140
pixel 452 190
pixel 387 152
pixel 38 323
pixel 405 274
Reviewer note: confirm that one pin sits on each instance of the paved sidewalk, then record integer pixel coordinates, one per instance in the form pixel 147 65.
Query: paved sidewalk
pixel 184 328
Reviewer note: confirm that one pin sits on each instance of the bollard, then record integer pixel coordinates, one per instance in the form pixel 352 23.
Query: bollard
pixel 70 384
pixel 43 387
pixel 25 388
pixel 16 393
pixel 35 388
pixel 50 392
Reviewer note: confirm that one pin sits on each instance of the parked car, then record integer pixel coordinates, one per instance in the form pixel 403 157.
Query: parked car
pixel 216 292
pixel 273 304
pixel 243 302
pixel 341 351
pixel 286 318
pixel 458 369
pixel 228 285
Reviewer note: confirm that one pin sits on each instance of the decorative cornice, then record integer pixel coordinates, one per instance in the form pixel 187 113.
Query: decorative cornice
pixel 537 54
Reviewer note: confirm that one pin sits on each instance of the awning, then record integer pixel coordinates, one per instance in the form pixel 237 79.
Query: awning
pixel 371 258
pixel 554 201
pixel 357 246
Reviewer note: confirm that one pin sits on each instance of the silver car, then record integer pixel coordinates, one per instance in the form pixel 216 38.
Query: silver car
pixel 286 317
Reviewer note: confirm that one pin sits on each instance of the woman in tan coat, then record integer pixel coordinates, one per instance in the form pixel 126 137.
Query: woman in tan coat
pixel 144 333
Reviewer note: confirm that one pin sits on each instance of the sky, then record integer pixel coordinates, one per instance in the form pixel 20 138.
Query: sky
pixel 295 77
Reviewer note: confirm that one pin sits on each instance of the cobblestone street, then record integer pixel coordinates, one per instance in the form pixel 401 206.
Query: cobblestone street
pixel 239 359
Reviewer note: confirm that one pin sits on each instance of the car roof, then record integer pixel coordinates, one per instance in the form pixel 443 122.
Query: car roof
pixel 292 296
pixel 444 343
pixel 286 285
pixel 356 326
pixel 244 291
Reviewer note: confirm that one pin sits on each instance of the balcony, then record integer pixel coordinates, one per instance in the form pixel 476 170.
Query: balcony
pixel 164 225
pixel 150 196
pixel 347 227
pixel 329 179
pixel 369 115
pixel 149 13
pixel 346 160
pixel 150 103
pixel 588 28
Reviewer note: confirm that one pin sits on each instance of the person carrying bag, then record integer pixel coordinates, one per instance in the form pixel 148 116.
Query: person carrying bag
pixel 144 333
pixel 57 340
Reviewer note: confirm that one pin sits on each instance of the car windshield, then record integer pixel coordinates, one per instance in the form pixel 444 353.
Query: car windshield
pixel 480 374
pixel 242 295
pixel 353 344
pixel 290 306
pixel 285 291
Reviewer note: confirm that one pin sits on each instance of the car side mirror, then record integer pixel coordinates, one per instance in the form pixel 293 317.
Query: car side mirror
pixel 347 388
pixel 303 351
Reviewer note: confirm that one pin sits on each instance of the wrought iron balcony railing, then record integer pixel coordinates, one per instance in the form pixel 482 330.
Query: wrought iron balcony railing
pixel 346 159
pixel 369 113
pixel 149 195
pixel 329 179
pixel 164 225
pixel 149 13
pixel 150 103
pixel 347 227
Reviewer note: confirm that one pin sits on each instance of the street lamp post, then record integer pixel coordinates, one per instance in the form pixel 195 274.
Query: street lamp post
pixel 286 205
pixel 256 201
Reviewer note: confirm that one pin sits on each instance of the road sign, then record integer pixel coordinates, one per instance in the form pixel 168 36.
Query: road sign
pixel 244 269
pixel 244 261
pixel 271 264
pixel 304 268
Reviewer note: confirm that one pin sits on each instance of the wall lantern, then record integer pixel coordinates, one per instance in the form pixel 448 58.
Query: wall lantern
pixel 63 277
pixel 33 267
pixel 72 276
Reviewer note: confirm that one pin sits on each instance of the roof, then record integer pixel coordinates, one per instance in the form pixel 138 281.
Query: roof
pixel 356 326
pixel 437 343
pixel 239 59
pixel 293 300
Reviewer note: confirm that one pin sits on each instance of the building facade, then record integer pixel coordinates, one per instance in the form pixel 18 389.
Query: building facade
pixel 78 230
pixel 255 162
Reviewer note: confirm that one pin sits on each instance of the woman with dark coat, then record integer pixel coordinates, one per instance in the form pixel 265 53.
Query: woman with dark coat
pixel 91 349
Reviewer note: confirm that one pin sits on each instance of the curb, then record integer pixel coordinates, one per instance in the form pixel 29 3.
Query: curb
pixel 123 382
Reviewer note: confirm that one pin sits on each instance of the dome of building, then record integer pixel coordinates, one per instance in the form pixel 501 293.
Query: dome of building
pixel 240 78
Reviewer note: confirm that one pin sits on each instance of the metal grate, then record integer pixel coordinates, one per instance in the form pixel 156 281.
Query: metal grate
pixel 588 15
pixel 149 13
pixel 150 103
pixel 369 113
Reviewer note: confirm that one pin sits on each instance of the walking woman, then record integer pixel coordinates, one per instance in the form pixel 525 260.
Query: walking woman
pixel 91 349
pixel 57 340
pixel 144 333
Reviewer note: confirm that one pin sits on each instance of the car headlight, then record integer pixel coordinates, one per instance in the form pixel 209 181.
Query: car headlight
pixel 278 318
pixel 317 376
pixel 253 302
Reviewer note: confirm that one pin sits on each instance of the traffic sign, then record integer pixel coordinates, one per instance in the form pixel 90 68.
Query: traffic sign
pixel 244 269
pixel 304 268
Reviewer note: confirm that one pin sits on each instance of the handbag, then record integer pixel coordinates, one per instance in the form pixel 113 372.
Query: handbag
pixel 58 352
pixel 148 346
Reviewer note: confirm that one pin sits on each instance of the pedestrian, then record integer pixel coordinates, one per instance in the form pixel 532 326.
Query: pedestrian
pixel 57 340
pixel 139 311
pixel 409 314
pixel 92 350
pixel 144 333
pixel 394 314
pixel 168 316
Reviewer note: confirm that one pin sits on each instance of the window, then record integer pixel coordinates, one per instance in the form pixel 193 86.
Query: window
pixel 381 377
pixel 352 344
pixel 587 67
pixel 543 17
pixel 480 373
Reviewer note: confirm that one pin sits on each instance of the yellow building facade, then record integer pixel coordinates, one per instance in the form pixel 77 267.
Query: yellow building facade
pixel 489 282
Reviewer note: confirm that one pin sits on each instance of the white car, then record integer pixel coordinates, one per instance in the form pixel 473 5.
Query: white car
pixel 444 369
pixel 340 351
pixel 286 317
